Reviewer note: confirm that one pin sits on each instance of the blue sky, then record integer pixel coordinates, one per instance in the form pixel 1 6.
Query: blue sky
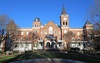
pixel 23 12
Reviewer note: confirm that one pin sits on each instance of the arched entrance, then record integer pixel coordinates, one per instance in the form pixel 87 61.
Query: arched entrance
pixel 48 45
pixel 53 45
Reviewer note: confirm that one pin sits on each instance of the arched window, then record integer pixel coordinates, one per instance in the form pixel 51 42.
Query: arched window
pixel 50 30
pixel 22 33
pixel 63 23
pixel 48 45
pixel 27 33
pixel 66 23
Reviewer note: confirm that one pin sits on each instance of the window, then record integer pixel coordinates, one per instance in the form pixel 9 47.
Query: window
pixel 16 45
pixel 34 25
pixel 27 33
pixel 45 32
pixel 78 33
pixel 41 32
pixel 73 38
pixel 35 44
pixel 50 30
pixel 55 32
pixel 59 32
pixel 16 39
pixel 35 31
pixel 63 23
pixel 40 38
pixel 36 19
pixel 66 23
pixel 41 43
pixel 21 39
pixel 78 38
pixel 21 33
pixel 65 31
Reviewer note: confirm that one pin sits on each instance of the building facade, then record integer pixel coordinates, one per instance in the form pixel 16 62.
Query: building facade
pixel 52 36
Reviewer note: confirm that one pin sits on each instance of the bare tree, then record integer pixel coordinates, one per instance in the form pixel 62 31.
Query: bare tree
pixel 33 37
pixel 94 15
pixel 11 32
pixel 12 28
pixel 68 38
pixel 4 20
pixel 7 30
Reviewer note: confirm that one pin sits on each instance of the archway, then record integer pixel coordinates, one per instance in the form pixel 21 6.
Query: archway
pixel 53 45
pixel 48 45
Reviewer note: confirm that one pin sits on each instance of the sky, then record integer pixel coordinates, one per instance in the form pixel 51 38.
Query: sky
pixel 23 12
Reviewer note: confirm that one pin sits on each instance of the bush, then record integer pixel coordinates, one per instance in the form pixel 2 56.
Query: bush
pixel 75 49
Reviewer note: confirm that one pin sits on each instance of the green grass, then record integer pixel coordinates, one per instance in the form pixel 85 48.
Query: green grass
pixel 35 55
pixel 6 58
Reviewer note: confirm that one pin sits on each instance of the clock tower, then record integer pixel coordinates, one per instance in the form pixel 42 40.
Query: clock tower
pixel 64 21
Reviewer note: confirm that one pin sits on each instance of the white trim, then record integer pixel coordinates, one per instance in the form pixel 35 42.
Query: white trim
pixel 78 41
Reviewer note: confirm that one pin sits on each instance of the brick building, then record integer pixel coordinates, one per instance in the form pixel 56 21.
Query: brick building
pixel 51 35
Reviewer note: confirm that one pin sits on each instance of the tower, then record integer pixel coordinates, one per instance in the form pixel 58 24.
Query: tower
pixel 36 22
pixel 88 31
pixel 36 27
pixel 64 21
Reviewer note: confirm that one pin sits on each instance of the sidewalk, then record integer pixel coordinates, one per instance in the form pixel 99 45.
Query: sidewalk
pixel 48 60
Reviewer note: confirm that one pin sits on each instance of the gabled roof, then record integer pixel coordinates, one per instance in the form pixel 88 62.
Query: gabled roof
pixel 11 23
pixel 50 24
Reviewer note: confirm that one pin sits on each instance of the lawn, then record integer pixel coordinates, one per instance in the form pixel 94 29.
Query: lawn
pixel 47 54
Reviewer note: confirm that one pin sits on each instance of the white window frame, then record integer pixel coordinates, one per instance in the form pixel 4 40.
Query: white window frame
pixel 22 33
pixel 50 30
pixel 27 33
pixel 78 33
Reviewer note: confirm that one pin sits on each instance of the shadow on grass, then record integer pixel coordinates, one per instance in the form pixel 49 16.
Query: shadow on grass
pixel 51 54
pixel 24 56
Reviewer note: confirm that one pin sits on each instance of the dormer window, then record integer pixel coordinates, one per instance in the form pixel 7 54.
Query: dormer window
pixel 36 19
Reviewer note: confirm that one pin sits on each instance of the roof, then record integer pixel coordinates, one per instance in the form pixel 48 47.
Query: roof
pixel 63 11
pixel 88 22
pixel 37 20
